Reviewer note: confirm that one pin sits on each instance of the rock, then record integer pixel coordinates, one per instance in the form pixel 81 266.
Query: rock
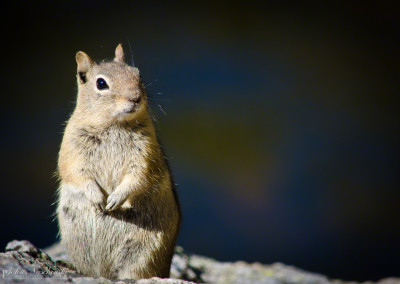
pixel 24 263
pixel 26 247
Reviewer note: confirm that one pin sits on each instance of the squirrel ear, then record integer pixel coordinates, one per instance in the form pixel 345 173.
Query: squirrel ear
pixel 84 64
pixel 119 54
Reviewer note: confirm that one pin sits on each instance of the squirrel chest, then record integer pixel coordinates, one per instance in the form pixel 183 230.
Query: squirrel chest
pixel 112 153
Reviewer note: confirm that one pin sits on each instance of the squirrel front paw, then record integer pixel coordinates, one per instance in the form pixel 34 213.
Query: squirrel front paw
pixel 115 200
pixel 96 197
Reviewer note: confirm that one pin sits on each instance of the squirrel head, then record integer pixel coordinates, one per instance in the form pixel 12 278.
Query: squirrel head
pixel 109 92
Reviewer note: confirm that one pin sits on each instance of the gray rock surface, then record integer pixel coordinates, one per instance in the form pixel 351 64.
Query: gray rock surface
pixel 22 262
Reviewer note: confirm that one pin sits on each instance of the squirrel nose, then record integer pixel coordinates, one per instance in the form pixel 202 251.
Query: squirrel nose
pixel 135 99
pixel 133 95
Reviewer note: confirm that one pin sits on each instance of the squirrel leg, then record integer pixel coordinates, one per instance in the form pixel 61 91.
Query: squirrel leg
pixel 121 192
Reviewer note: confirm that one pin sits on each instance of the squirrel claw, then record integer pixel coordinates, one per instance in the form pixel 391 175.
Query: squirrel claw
pixel 114 200
pixel 99 207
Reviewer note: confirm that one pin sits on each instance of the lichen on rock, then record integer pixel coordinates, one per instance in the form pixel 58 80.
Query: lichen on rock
pixel 22 262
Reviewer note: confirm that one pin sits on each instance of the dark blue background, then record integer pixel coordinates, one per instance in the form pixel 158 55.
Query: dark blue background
pixel 281 122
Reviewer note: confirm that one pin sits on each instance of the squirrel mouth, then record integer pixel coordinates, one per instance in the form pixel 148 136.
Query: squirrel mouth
pixel 132 110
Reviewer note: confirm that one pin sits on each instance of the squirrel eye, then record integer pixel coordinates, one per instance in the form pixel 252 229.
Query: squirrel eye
pixel 101 84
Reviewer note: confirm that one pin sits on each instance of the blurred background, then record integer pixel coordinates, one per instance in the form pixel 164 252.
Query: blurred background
pixel 280 121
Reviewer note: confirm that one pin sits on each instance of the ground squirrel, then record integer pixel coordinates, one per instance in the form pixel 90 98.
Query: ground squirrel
pixel 118 210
